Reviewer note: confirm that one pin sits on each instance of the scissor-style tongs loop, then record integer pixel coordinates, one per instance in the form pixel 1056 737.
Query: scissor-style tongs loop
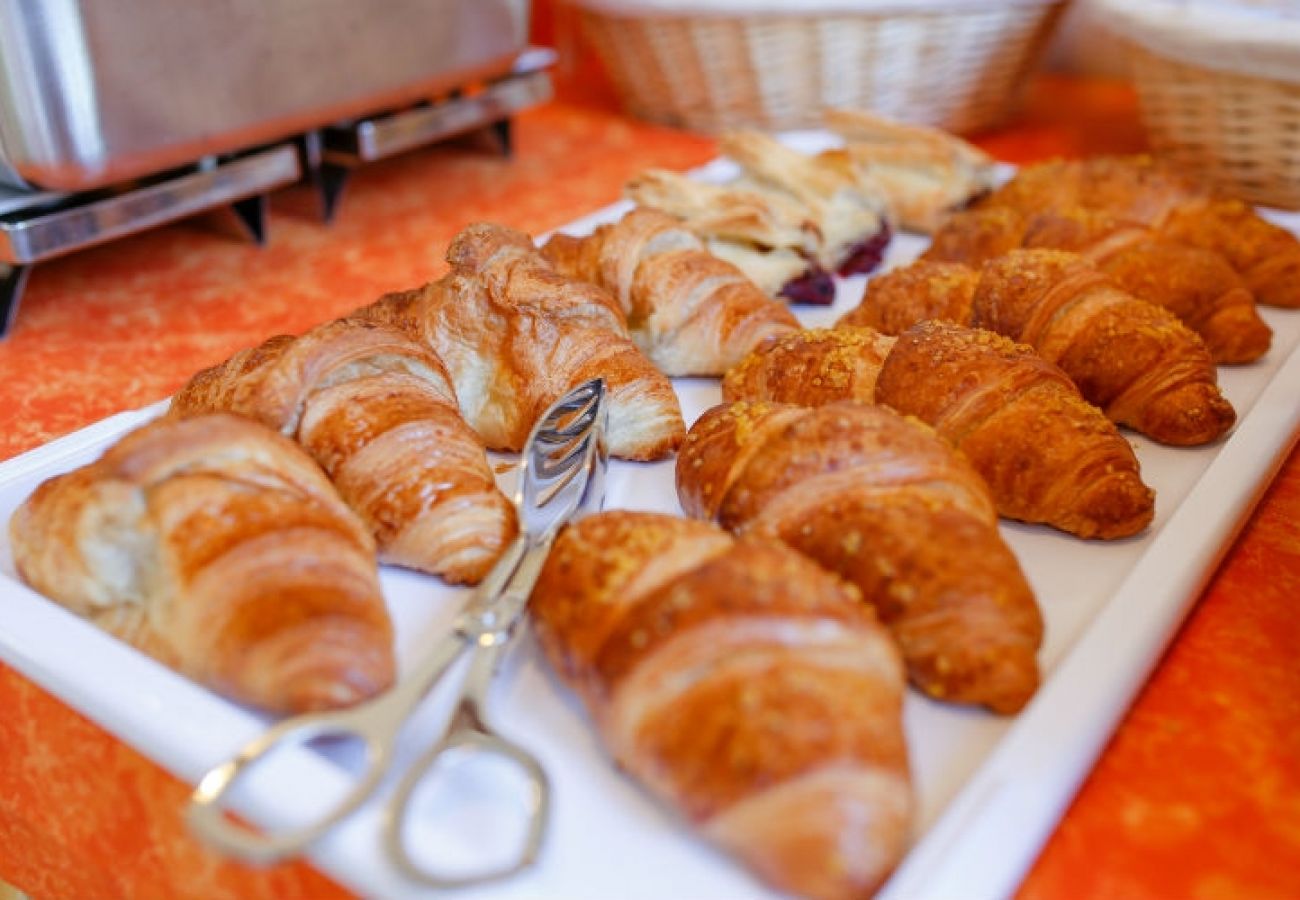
pixel 561 476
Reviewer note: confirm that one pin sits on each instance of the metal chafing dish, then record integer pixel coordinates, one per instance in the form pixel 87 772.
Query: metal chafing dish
pixel 118 117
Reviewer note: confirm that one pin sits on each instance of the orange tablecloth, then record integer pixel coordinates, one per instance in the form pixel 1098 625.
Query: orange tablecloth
pixel 1198 794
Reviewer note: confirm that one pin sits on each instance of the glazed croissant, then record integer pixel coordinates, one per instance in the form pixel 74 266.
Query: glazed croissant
pixel 377 411
pixel 216 546
pixel 884 502
pixel 743 685
pixel 1144 190
pixel 515 335
pixel 1196 285
pixel 925 173
pixel 690 312
pixel 1133 359
pixel 1047 455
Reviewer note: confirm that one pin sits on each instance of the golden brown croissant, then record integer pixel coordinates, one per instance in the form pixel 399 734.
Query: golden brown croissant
pixel 378 412
pixel 1194 284
pixel 1047 455
pixel 1135 360
pixel 1144 190
pixel 692 313
pixel 925 173
pixel 743 685
pixel 884 502
pixel 515 336
pixel 216 546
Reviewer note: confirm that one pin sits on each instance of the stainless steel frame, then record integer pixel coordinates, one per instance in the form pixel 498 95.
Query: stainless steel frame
pixel 95 93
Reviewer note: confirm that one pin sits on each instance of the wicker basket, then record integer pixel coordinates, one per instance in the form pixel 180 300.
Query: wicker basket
pixel 1223 102
pixel 956 65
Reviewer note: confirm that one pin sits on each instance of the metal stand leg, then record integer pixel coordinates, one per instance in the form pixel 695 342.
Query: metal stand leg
pixel 503 133
pixel 13 278
pixel 330 180
pixel 251 213
pixel 327 178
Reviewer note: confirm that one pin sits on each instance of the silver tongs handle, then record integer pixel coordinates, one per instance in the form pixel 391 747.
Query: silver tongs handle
pixel 374 724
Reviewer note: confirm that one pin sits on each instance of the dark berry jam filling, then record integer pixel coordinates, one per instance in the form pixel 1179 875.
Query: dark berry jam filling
pixel 814 287
pixel 866 256
pixel 974 200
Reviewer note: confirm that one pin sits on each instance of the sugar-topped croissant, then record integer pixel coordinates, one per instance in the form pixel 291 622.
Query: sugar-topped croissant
pixel 746 687
pixel 1047 455
pixel 218 547
pixel 1133 359
pixel 515 336
pixel 883 501
pixel 377 411
pixel 690 312
pixel 1144 190
pixel 1195 284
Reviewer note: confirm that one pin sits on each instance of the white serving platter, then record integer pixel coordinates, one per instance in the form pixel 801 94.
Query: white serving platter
pixel 989 789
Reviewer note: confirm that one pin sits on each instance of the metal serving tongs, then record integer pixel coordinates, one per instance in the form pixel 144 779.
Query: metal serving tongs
pixel 561 476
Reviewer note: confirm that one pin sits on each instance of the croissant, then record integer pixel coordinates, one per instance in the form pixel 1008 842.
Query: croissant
pixel 881 500
pixel 747 688
pixel 924 173
pixel 1135 360
pixel 844 204
pixel 1196 285
pixel 690 312
pixel 768 236
pixel 1046 454
pixel 218 547
pixel 377 411
pixel 515 336
pixel 1141 189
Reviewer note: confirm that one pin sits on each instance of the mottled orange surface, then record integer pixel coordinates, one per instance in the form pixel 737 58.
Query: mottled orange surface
pixel 1198 794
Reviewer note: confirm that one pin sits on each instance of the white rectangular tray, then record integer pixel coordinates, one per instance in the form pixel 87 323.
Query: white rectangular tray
pixel 989 789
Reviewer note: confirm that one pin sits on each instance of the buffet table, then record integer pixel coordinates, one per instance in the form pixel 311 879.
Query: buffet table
pixel 1194 796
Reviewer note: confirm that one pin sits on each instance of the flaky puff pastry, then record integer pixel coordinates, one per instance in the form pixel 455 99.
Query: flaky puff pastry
pixel 690 312
pixel 1195 284
pixel 378 412
pixel 515 335
pixel 219 548
pixel 768 236
pixel 844 203
pixel 746 687
pixel 925 173
pixel 1047 455
pixel 883 501
pixel 1144 190
pixel 1131 358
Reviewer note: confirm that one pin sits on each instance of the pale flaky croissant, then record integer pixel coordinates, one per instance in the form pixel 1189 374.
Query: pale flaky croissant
pixel 1145 190
pixel 1046 454
pixel 216 546
pixel 378 412
pixel 883 501
pixel 515 335
pixel 1133 359
pixel 743 685
pixel 1194 284
pixel 692 313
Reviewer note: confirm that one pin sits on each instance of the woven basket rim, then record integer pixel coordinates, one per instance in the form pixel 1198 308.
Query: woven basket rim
pixel 1210 37
pixel 802 8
